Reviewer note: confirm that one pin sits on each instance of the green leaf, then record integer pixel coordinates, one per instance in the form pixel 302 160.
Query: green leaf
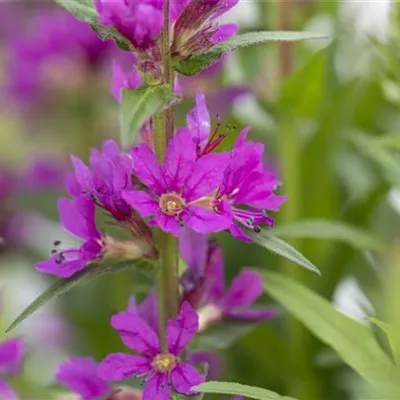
pixel 139 105
pixel 62 286
pixel 353 342
pixel 281 248
pixel 332 230
pixel 197 63
pixel 221 335
pixel 85 10
pixel 237 389
pixel 391 334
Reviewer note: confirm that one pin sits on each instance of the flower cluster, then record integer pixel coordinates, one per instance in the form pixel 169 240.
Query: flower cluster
pixel 195 187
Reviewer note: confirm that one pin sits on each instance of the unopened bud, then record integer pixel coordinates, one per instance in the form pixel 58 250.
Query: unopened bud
pixel 123 249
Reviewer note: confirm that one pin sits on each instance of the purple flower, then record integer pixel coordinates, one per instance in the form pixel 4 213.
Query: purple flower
pixel 204 285
pixel 52 38
pixel 123 79
pixel 11 353
pixel 178 191
pixel 80 374
pixel 247 190
pixel 162 370
pixel 147 310
pixel 195 30
pixel 78 217
pixel 109 175
pixel 139 21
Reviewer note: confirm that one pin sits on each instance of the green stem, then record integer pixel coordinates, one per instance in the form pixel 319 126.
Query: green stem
pixel 168 278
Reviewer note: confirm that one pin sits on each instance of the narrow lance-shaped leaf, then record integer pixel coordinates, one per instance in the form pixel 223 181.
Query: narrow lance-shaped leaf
pixel 353 342
pixel 332 230
pixel 237 389
pixel 391 333
pixel 281 248
pixel 139 105
pixel 62 286
pixel 199 62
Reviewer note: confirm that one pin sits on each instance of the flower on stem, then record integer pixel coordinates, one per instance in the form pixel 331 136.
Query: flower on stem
pixel 11 353
pixel 79 374
pixel 140 22
pixel 195 30
pixel 179 191
pixel 78 217
pixel 123 79
pixel 204 286
pixel 161 370
pixel 247 192
pixel 109 176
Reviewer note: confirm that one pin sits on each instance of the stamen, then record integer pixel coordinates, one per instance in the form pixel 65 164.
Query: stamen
pixel 57 243
pixel 257 229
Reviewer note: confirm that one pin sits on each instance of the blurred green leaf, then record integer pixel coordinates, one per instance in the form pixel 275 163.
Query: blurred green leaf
pixel 386 160
pixel 85 11
pixel 237 389
pixel 354 342
pixel 391 334
pixel 62 286
pixel 221 335
pixel 332 230
pixel 197 63
pixel 281 248
pixel 139 105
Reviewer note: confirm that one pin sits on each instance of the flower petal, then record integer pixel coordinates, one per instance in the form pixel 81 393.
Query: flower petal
pixel 224 32
pixel 63 269
pixel 181 330
pixel 244 291
pixel 167 223
pixel 193 248
pixel 206 176
pixel 147 167
pixel 141 201
pixel 135 333
pixel 215 275
pixel 7 392
pixel 82 173
pixel 261 314
pixel 179 160
pixel 205 221
pixel 122 79
pixel 78 216
pixel 11 353
pixel 157 388
pixel 120 366
pixel 80 375
pixel 184 377
pixel 198 121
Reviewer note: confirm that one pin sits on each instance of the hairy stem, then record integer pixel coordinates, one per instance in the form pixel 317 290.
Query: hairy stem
pixel 168 278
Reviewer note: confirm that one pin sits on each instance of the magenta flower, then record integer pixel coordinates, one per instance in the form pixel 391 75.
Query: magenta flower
pixel 80 375
pixel 123 79
pixel 162 370
pixel 52 37
pixel 11 353
pixel 204 285
pixel 147 309
pixel 78 217
pixel 139 21
pixel 247 193
pixel 178 191
pixel 195 30
pixel 109 175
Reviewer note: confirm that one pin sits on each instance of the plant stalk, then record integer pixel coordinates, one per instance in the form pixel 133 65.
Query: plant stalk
pixel 167 281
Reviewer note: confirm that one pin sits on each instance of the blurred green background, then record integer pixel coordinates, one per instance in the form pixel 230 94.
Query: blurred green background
pixel 328 111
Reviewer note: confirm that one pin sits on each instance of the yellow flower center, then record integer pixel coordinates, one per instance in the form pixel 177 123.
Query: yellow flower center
pixel 171 204
pixel 164 362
